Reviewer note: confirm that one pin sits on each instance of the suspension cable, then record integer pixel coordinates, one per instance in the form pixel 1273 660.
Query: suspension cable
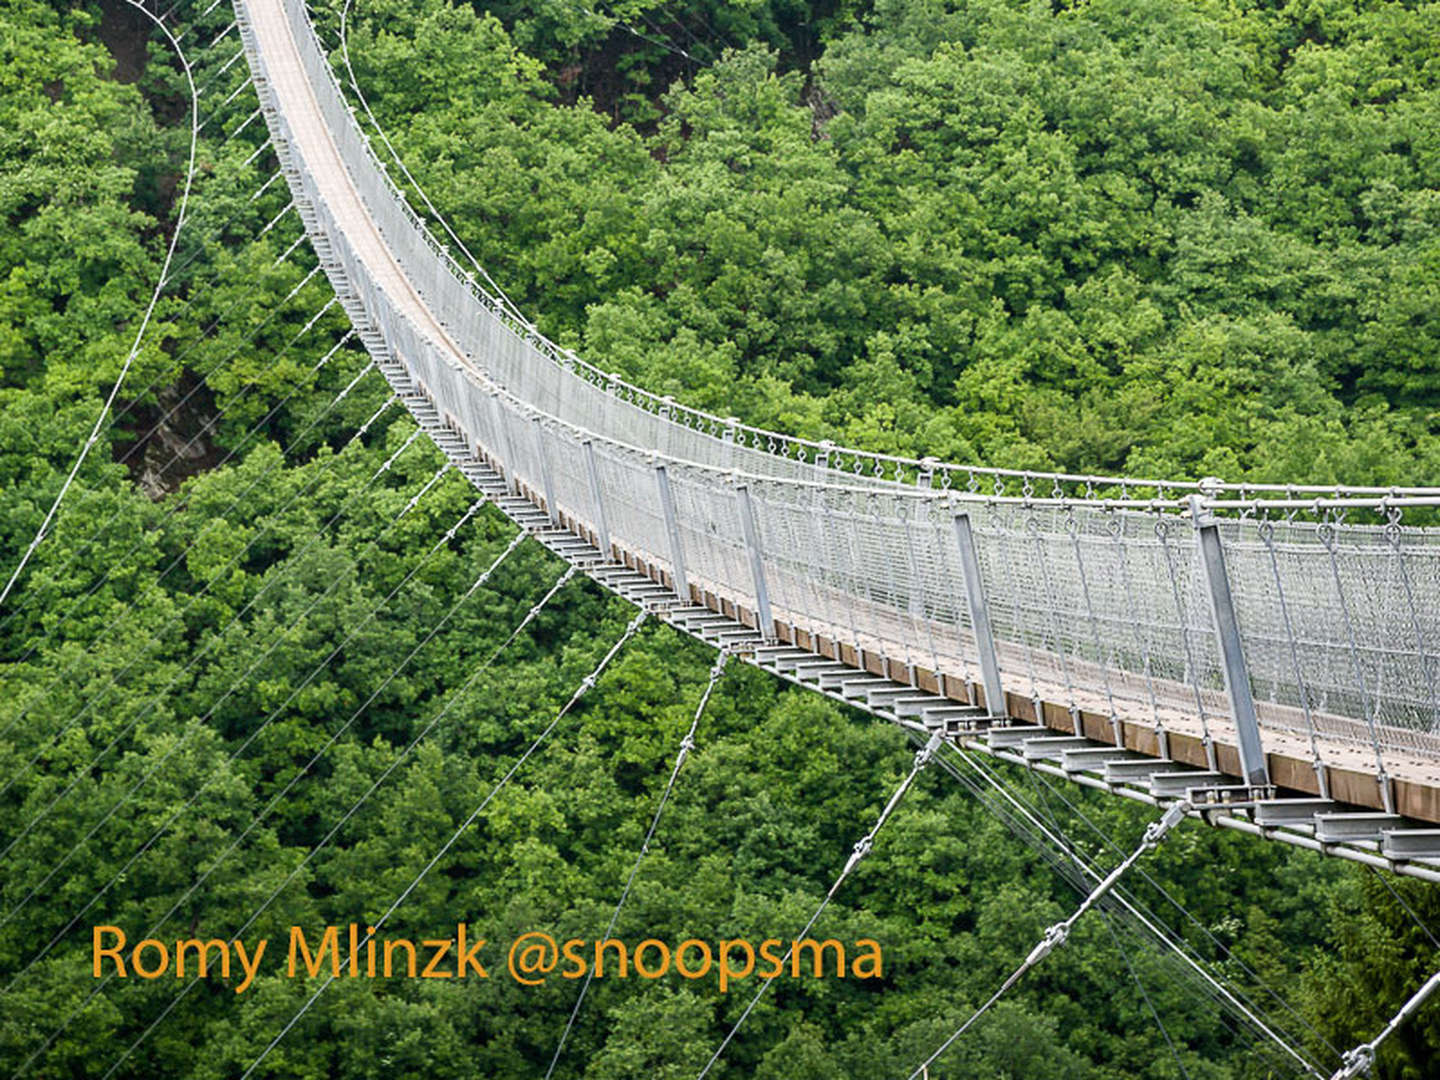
pixel 145 319
pixel 862 848
pixel 1057 935
pixel 275 800
pixel 43 694
pixel 208 426
pixel 155 699
pixel 585 684
pixel 687 744
pixel 1360 1060
pixel 242 680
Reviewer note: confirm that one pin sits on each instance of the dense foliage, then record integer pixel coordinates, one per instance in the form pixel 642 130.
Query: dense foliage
pixel 1151 235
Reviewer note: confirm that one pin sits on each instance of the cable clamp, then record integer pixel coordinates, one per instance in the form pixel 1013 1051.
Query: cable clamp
pixel 926 752
pixel 862 848
pixel 1356 1062
pixel 1054 937
pixel 1156 830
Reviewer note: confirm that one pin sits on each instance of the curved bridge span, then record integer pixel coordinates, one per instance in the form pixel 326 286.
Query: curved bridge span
pixel 1270 652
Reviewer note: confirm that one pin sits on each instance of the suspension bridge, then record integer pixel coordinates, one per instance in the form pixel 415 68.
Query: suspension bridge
pixel 1257 649
pixel 1264 656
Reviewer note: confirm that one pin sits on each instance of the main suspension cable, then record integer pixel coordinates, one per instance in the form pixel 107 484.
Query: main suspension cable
pixel 585 684
pixel 687 744
pixel 862 848
pixel 179 504
pixel 181 557
pixel 154 699
pixel 145 319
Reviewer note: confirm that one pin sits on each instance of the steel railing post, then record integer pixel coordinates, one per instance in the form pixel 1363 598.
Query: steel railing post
pixel 547 481
pixel 678 576
pixel 979 616
pixel 1232 652
pixel 765 620
pixel 602 527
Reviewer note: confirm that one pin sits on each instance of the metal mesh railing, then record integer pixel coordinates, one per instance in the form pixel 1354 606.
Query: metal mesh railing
pixel 1097 587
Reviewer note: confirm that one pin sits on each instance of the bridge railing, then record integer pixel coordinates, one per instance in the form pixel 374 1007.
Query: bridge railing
pixel 1106 607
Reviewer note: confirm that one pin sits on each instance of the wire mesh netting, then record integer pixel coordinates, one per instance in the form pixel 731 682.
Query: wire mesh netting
pixel 1102 605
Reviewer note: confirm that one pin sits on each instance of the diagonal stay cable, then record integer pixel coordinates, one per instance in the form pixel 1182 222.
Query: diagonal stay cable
pixel 177 505
pixel 1056 936
pixel 1360 1060
pixel 862 848
pixel 1049 814
pixel 1410 911
pixel 160 283
pixel 1185 912
pixel 1238 1004
pixel 43 694
pixel 686 745
pixel 448 536
pixel 243 679
pixel 141 440
pixel 154 699
pixel 264 812
pixel 1077 872
pixel 586 684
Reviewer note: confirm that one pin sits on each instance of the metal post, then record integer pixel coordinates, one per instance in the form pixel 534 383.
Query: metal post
pixel 546 480
pixel 672 526
pixel 502 444
pixel 979 615
pixel 764 619
pixel 1232 653
pixel 602 527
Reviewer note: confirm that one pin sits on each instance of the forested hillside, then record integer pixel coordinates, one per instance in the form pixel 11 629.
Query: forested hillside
pixel 1170 237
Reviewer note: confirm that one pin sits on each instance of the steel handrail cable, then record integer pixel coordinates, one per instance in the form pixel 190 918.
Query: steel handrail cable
pixel 179 617
pixel 687 744
pixel 278 639
pixel 585 684
pixel 761 436
pixel 821 446
pixel 145 319
pixel 862 848
pixel 43 694
pixel 255 820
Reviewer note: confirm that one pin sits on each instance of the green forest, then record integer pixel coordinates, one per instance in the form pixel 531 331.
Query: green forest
pixel 1174 238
